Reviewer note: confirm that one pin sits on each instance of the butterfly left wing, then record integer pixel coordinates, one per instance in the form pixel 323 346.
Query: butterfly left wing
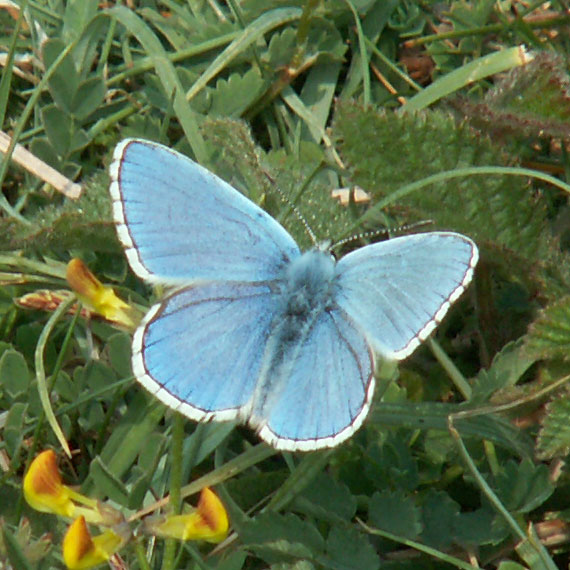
pixel 320 393
pixel 179 223
pixel 400 289
pixel 200 350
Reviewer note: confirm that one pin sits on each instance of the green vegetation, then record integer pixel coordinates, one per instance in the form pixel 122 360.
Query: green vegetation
pixel 449 115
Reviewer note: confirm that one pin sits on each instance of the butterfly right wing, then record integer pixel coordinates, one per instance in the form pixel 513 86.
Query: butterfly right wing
pixel 400 289
pixel 200 350
pixel 179 223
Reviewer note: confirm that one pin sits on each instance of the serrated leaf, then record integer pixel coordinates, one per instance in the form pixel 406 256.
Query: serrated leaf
pixel 531 101
pixel 281 49
pixel 235 95
pixel 554 434
pixel 327 497
pixel 549 335
pixel 241 163
pixel 477 528
pixel 440 514
pixel 523 487
pixel 386 151
pixel 348 549
pixel 395 512
pixel 507 368
pixel 67 226
pixel 393 461
pixel 280 538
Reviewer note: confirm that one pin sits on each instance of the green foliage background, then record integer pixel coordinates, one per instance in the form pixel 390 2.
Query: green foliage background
pixel 424 105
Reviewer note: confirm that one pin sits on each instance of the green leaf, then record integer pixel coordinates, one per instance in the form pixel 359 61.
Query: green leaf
pixel 233 561
pixel 282 538
pixel 64 81
pixel 14 374
pixel 130 434
pixel 14 430
pixel 348 549
pixel 511 566
pixel 531 101
pixel 395 512
pixel 59 127
pixel 119 348
pixel 88 97
pixel 549 335
pixel 327 497
pixel 386 151
pixel 78 13
pixel 44 150
pixel 232 97
pixel 106 483
pixel 554 434
pixel 440 514
pixel 14 551
pixel 525 486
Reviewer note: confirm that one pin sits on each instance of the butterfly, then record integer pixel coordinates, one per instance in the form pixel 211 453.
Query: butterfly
pixel 254 330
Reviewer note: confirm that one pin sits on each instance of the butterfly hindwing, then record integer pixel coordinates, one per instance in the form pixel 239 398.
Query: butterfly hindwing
pixel 179 222
pixel 321 392
pixel 200 349
pixel 399 290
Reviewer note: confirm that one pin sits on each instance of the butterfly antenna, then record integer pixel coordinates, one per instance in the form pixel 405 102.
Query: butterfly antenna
pixel 292 207
pixel 375 233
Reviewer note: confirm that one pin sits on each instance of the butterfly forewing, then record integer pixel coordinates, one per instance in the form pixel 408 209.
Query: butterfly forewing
pixel 400 289
pixel 179 222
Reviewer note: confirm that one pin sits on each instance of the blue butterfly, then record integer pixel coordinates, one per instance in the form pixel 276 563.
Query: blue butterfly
pixel 254 330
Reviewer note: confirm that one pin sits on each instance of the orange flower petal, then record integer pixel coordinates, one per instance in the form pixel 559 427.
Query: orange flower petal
pixel 43 488
pixel 81 550
pixel 208 522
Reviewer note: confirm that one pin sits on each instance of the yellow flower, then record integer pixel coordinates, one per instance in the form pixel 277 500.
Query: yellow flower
pixel 208 522
pixel 45 492
pixel 99 298
pixel 43 488
pixel 81 550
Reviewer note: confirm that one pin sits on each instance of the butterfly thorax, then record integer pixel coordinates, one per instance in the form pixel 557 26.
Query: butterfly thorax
pixel 308 284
